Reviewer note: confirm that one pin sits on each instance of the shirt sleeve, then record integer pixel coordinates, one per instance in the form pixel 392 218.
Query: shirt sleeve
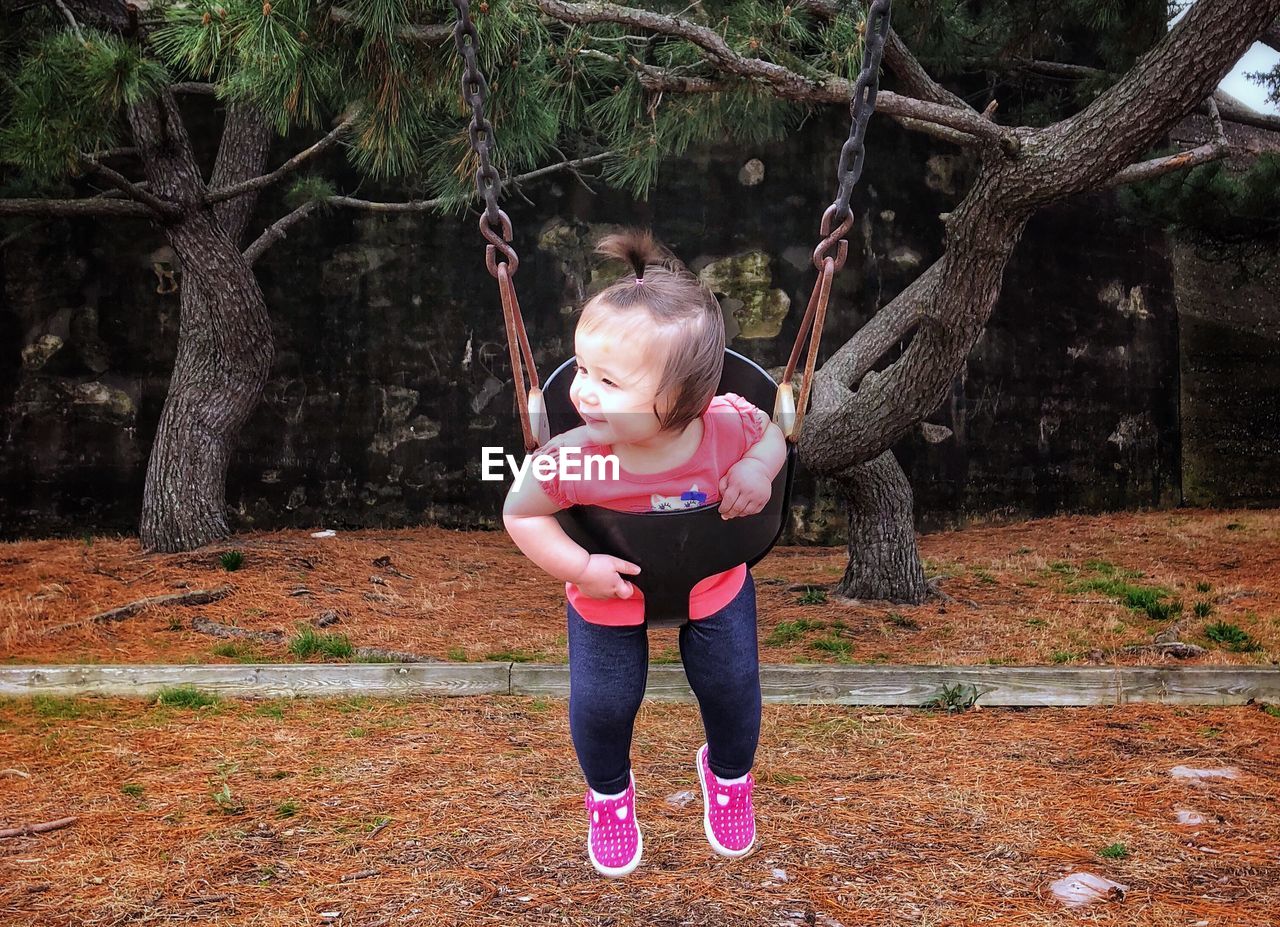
pixel 558 491
pixel 754 420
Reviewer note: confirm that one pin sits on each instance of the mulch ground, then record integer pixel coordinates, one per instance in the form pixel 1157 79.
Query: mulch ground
pixel 469 811
pixel 1033 592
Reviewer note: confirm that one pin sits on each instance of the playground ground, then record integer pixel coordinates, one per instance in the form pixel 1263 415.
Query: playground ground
pixel 442 811
pixel 1068 590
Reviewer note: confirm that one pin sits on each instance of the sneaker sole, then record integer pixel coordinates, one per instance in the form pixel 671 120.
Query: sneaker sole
pixel 706 817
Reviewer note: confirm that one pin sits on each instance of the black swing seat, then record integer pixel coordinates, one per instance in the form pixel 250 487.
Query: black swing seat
pixel 675 550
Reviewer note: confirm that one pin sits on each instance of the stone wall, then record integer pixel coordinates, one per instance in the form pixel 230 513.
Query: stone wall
pixel 391 371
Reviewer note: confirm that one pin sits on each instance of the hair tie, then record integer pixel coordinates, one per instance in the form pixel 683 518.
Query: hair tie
pixel 639 281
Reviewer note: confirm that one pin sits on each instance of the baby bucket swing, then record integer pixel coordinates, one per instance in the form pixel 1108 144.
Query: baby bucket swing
pixel 676 549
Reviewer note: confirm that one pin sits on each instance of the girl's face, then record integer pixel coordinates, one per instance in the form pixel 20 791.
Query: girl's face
pixel 615 386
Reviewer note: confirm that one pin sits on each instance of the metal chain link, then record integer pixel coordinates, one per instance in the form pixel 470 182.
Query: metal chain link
pixel 861 107
pixel 862 104
pixel 494 224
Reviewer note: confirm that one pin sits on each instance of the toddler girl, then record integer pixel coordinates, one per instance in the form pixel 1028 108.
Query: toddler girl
pixel 649 351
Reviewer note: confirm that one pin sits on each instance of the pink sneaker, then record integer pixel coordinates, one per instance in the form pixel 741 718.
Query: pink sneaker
pixel 614 842
pixel 727 815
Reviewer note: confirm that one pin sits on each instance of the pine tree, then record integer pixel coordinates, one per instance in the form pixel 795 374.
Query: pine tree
pixel 89 87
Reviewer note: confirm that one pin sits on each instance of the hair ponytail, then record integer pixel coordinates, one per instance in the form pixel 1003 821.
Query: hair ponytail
pixel 676 304
pixel 638 248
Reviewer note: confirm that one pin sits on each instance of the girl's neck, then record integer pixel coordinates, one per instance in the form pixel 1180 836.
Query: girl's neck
pixel 663 451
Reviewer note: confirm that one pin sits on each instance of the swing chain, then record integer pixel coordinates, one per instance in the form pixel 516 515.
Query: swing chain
pixel 861 107
pixel 495 225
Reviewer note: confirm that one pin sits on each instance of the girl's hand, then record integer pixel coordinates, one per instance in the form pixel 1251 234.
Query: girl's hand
pixel 745 488
pixel 601 580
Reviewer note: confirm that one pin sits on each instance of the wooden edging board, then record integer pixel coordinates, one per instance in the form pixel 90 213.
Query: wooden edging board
pixel 993 686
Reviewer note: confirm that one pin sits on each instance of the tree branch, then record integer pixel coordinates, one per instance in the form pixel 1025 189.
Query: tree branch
pixel 1234 111
pixel 75 26
pixel 430 34
pixel 1202 154
pixel 914 77
pixel 161 208
pixel 85 207
pixel 784 83
pixel 847 427
pixel 257 183
pixel 1163 86
pixel 280 228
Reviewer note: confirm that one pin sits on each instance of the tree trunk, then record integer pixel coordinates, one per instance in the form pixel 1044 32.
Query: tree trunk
pixel 884 563
pixel 225 348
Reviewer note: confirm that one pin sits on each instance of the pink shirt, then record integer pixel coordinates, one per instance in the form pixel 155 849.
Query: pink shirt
pixel 730 427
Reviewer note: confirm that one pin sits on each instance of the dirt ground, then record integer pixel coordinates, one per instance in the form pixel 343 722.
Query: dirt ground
pixel 469 811
pixel 1034 592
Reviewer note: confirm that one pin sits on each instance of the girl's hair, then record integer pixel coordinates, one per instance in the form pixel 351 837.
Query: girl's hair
pixel 662 294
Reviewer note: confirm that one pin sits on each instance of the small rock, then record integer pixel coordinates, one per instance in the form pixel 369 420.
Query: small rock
pixel 1081 888
pixel 1190 818
pixel 752 173
pixel 1186 772
pixel 327 533
pixel 326 618
pixel 781 875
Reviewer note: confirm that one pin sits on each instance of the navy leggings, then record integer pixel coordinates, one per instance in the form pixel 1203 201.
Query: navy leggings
pixel 608 668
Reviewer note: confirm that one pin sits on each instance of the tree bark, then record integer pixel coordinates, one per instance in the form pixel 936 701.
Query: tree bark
pixel 884 562
pixel 225 346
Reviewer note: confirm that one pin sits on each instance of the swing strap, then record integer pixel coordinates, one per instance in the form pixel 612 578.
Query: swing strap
pixel 495 226
pixel 861 106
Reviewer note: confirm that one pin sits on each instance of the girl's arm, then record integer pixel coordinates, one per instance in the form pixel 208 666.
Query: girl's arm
pixel 527 515
pixel 748 484
pixel 771 449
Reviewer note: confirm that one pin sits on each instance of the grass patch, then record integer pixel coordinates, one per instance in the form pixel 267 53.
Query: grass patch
pixel 954 698
pixel 1114 851
pixel 984 577
pixel 513 656
pixel 788 632
pixel 287 808
pixel 1273 710
pixel 231 561
pixel 902 621
pixel 668 655
pixel 832 644
pixel 1036 623
pixel 813 596
pixel 1231 636
pixel 1149 599
pixel 1203 587
pixel 132 789
pixel 185 697
pixel 1203 609
pixel 307 643
pixel 1062 656
pixel 457 654
pixel 49 706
